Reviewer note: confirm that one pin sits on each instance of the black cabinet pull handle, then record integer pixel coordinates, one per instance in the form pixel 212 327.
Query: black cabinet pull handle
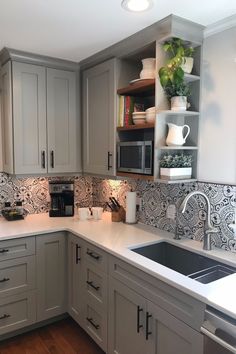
pixel 77 258
pixel 148 333
pixel 139 309
pixel 4 316
pixel 43 161
pixel 94 256
pixel 109 155
pixel 4 251
pixel 90 320
pixel 90 283
pixel 52 159
pixel 4 280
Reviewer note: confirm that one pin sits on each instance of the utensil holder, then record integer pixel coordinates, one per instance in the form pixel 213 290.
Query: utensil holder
pixel 117 216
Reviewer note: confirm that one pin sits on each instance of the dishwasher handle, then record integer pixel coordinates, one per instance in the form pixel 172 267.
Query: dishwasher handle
pixel 218 340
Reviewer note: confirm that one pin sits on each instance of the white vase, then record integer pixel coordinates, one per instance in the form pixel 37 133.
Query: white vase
pixel 179 103
pixel 176 173
pixel 187 65
pixel 149 69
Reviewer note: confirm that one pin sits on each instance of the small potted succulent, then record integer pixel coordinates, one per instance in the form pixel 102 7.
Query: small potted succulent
pixel 176 166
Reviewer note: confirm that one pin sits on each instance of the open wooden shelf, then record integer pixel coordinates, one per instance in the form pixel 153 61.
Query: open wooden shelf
pixel 135 176
pixel 137 127
pixel 138 88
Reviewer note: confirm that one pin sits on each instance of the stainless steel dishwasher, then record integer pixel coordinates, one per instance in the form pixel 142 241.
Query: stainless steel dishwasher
pixel 219 332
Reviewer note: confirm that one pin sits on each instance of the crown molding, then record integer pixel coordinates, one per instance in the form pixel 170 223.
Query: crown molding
pixel 220 26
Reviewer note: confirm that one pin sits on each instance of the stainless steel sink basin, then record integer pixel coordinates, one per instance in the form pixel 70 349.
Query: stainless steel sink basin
pixel 212 274
pixel 193 265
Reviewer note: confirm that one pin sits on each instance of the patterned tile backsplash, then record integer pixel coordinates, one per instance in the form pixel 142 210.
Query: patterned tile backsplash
pixel 155 200
pixel 34 191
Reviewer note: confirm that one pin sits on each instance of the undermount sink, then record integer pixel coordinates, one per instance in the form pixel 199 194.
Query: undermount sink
pixel 193 265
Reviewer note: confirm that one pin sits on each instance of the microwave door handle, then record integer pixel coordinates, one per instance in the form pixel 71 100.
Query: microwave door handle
pixel 143 157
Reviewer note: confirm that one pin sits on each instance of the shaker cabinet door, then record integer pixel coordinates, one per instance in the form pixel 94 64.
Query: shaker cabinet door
pixel 75 279
pixel 62 121
pixel 29 118
pixel 126 320
pixel 168 335
pixel 51 275
pixel 99 102
pixel 6 118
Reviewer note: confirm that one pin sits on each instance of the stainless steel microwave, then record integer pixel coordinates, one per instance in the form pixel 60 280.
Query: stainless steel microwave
pixel 135 157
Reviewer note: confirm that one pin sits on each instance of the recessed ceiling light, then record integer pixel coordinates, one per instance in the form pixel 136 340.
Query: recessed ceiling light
pixel 137 5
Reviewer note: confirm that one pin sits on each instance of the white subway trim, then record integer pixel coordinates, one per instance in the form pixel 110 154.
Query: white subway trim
pixel 220 26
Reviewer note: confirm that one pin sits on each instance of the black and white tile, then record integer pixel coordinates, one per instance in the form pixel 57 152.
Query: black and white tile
pixel 156 199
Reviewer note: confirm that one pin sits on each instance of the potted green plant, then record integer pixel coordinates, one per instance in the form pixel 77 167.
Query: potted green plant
pixel 176 48
pixel 176 166
pixel 172 75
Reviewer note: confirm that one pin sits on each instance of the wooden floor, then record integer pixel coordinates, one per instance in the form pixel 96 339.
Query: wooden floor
pixel 63 337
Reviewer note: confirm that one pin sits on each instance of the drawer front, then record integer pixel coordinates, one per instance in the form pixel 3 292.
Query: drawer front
pixel 17 311
pixel 176 302
pixel 17 275
pixel 96 325
pixel 95 285
pixel 17 248
pixel 96 256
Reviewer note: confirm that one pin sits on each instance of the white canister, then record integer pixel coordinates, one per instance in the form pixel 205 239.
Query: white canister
pixel 84 213
pixel 130 216
pixel 149 69
pixel 97 213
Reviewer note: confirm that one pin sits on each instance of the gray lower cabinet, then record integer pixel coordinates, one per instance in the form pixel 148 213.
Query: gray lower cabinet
pixel 126 320
pixel 17 284
pixel 51 275
pixel 17 311
pixel 99 112
pixel 136 325
pixel 87 292
pixel 75 279
pixel 165 334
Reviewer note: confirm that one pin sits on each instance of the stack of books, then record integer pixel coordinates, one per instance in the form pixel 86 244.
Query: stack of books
pixel 126 108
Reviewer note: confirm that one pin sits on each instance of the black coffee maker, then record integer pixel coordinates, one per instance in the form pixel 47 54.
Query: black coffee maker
pixel 62 198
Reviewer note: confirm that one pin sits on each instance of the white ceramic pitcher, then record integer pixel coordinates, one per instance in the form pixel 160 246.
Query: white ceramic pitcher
pixel 175 135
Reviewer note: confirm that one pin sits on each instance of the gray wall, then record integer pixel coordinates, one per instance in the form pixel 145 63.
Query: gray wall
pixel 217 155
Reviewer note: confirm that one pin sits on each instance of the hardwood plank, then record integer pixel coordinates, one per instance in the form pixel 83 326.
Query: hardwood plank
pixel 63 337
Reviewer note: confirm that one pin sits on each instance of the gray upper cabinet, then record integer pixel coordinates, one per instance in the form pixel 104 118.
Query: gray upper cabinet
pixel 6 118
pixel 40 127
pixel 61 121
pixel 99 112
pixel 29 118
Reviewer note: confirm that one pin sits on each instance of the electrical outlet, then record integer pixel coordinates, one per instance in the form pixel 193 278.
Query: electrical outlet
pixel 171 212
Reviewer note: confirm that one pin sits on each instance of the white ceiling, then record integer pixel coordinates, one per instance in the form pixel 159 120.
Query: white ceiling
pixel 76 29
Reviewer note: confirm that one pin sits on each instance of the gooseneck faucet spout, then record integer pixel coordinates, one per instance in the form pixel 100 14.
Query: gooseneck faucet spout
pixel 210 228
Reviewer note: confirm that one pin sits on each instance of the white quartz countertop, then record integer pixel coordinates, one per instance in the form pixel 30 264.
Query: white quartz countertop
pixel 118 238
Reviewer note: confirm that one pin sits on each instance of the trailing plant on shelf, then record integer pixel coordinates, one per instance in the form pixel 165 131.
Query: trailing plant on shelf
pixel 176 161
pixel 172 74
pixel 175 46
